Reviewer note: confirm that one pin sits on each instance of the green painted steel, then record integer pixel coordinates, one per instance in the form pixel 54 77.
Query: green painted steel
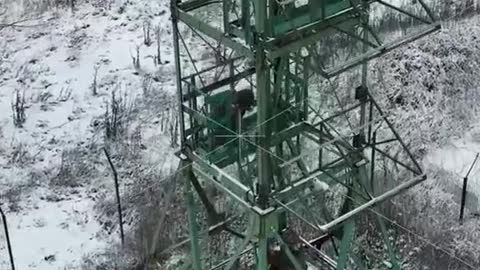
pixel 348 233
pixel 278 39
pixel 296 260
pixel 313 11
pixel 194 242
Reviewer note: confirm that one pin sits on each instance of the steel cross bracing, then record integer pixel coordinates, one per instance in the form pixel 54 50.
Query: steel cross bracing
pixel 252 128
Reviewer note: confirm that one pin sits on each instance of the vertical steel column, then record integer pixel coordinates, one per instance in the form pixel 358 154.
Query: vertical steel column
pixel 263 102
pixel 194 245
pixel 195 252
pixel 364 68
pixel 226 16
pixel 363 108
pixel 178 69
pixel 262 245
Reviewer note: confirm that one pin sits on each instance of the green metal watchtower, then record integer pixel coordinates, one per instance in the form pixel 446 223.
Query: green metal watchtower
pixel 252 127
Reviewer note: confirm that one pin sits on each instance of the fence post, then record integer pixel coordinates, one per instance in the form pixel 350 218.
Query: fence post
pixel 9 246
pixel 464 198
pixel 464 189
pixel 119 206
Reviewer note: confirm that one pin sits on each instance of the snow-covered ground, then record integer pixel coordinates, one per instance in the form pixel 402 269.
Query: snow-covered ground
pixel 459 157
pixel 50 235
pixel 52 227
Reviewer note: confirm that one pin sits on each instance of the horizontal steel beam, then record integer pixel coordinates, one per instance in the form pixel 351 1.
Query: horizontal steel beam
pixel 385 196
pixel 222 180
pixel 324 257
pixel 222 64
pixel 214 33
pixel 216 85
pixel 287 133
pixel 378 52
pixel 306 35
pixel 303 182
pixel 194 4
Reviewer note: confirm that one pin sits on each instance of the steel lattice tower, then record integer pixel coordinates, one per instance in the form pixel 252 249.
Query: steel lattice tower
pixel 273 155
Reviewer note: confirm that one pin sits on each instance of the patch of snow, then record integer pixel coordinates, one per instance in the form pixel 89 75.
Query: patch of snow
pixel 53 65
pixel 49 234
pixel 458 157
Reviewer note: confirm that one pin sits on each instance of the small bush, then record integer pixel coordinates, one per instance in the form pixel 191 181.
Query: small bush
pixel 116 117
pixel 18 108
pixel 158 57
pixel 147 85
pixel 20 156
pixel 76 168
pixel 94 83
pixel 13 197
pixel 136 57
pixel 147 40
pixel 169 123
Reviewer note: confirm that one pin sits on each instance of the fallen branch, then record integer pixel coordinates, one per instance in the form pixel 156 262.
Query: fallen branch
pixel 19 24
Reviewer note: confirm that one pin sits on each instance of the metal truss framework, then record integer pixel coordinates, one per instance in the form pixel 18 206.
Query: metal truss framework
pixel 285 146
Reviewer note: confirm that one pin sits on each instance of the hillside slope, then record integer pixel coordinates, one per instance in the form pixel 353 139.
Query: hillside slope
pixel 56 186
pixel 52 170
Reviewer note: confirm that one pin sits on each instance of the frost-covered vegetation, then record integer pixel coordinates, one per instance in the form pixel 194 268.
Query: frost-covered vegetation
pixel 79 76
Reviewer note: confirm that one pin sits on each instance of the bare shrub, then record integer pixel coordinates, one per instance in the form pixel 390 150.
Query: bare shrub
pixel 13 193
pixel 136 58
pixel 65 93
pixel 146 33
pixel 158 57
pixel 112 258
pixel 169 124
pixel 76 168
pixel 116 117
pixel 152 209
pixel 94 83
pixel 430 84
pixel 20 155
pixel 160 213
pixel 129 149
pixel 12 196
pixel 147 83
pixel 105 4
pixel 426 214
pixel 173 132
pixel 18 108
